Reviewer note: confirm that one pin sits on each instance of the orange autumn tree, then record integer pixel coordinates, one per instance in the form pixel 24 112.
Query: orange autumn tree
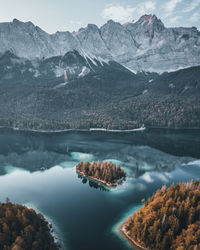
pixel 170 219
pixel 106 171
pixel 22 228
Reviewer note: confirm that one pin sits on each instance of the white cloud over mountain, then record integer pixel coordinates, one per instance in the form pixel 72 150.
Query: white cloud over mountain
pixel 192 6
pixel 119 13
pixel 171 5
pixel 195 17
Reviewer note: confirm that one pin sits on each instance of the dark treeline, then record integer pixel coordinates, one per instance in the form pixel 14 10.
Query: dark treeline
pixel 21 228
pixel 108 172
pixel 170 219
pixel 153 111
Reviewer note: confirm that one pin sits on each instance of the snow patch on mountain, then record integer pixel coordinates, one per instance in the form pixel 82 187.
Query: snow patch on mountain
pixel 84 71
pixel 58 71
pixel 133 71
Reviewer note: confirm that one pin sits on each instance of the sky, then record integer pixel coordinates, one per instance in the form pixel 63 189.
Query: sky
pixel 63 15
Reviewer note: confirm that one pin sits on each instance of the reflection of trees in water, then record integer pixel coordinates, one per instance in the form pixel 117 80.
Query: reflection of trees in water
pixel 138 172
pixel 92 184
pixel 97 186
pixel 84 180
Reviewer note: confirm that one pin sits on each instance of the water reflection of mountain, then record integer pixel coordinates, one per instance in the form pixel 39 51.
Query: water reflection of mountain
pixel 175 142
pixel 27 162
pixel 137 152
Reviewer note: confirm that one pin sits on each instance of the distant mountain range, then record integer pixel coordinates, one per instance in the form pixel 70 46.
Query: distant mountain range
pixel 145 45
pixel 112 77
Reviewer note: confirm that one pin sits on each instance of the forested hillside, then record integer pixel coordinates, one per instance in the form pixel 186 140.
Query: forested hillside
pixel 22 228
pixel 94 94
pixel 169 219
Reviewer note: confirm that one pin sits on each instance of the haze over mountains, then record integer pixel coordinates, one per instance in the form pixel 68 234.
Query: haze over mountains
pixel 145 45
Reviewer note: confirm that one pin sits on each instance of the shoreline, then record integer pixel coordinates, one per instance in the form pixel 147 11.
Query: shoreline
pixel 118 130
pixel 53 229
pixel 76 130
pixel 129 239
pixel 97 180
pixel 97 130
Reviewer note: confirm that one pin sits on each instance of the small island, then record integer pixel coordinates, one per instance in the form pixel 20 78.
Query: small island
pixel 22 228
pixel 105 173
pixel 170 219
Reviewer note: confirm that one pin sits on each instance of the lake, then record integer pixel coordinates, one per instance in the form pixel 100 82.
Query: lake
pixel 37 170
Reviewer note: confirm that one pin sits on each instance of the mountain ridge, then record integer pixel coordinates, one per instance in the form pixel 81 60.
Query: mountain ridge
pixel 142 45
pixel 100 77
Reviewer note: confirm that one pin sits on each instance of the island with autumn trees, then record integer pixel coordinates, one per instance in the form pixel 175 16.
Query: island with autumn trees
pixel 104 172
pixel 170 219
pixel 22 228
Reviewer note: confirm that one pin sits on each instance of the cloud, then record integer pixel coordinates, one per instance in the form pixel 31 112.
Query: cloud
pixel 118 13
pixel 147 178
pixel 171 5
pixel 173 20
pixel 75 22
pixel 193 5
pixel 123 14
pixel 146 7
pixel 173 13
pixel 195 17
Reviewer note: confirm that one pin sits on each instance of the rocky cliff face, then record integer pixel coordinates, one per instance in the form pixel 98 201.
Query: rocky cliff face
pixel 25 40
pixel 163 49
pixel 143 45
pixel 92 43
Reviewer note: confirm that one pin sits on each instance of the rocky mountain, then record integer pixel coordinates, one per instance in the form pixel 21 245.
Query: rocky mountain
pixel 108 77
pixel 145 45
pixel 57 69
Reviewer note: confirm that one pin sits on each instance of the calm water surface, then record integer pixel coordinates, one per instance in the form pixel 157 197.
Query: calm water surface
pixel 38 170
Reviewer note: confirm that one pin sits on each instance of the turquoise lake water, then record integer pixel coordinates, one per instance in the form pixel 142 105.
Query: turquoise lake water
pixel 37 169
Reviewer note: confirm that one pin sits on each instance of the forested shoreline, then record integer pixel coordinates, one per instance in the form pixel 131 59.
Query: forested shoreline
pixel 22 228
pixel 160 112
pixel 169 219
pixel 106 173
